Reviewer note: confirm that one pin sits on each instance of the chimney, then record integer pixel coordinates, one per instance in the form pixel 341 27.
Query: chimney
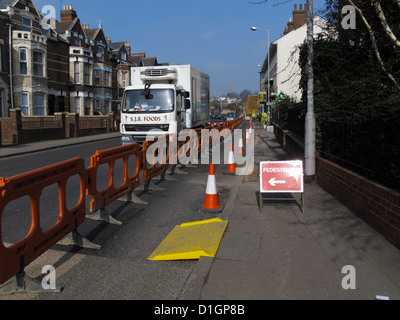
pixel 108 39
pixel 85 26
pixel 290 25
pixel 285 32
pixel 299 16
pixel 128 47
pixel 68 14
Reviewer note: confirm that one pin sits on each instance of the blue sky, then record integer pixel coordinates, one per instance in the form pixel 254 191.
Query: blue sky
pixel 212 35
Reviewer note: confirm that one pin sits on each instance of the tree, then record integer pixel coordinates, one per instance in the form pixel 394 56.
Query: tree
pixel 245 93
pixel 349 78
pixel 356 94
pixel 362 9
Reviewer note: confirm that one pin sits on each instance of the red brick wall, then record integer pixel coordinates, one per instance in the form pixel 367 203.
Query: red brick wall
pixel 19 129
pixel 376 204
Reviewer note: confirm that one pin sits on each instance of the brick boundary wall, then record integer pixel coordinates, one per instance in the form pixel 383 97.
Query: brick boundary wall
pixel 375 203
pixel 20 129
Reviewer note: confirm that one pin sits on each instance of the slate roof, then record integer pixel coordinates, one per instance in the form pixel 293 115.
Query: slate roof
pixel 4 3
pixel 116 45
pixel 92 33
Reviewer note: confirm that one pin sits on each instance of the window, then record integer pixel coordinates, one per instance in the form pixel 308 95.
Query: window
pixel 25 103
pixel 123 56
pixel 76 72
pixel 38 63
pixel 124 80
pixel 26 24
pixel 159 101
pixel 38 104
pixel 23 61
pixel 97 77
pixel 46 32
pixel 77 105
pixel 106 107
pixel 97 105
pixel 78 42
pixel 106 78
pixel 86 73
pixel 87 106
pixel 100 53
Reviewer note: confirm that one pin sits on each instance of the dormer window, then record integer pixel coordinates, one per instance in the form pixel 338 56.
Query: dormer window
pixel 26 24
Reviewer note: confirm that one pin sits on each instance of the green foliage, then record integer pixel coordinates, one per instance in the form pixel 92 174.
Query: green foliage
pixel 350 85
pixel 281 112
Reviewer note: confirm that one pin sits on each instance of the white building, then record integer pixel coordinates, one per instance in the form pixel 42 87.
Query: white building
pixel 285 71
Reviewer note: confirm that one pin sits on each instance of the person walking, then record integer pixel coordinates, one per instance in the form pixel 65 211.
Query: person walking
pixel 254 116
pixel 264 119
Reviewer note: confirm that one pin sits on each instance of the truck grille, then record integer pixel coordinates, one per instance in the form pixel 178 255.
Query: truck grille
pixel 145 127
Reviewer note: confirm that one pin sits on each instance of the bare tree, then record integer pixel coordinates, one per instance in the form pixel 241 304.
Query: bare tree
pixel 384 22
pixel 373 38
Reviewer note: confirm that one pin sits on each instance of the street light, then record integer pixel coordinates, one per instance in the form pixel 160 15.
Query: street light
pixel 268 76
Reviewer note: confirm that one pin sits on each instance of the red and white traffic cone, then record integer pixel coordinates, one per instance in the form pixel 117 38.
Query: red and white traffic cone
pixel 247 135
pixel 231 169
pixel 211 199
pixel 240 150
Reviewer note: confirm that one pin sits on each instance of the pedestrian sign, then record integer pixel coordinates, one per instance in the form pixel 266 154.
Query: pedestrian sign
pixel 281 177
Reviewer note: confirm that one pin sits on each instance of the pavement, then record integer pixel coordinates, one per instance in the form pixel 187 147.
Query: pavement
pixel 325 253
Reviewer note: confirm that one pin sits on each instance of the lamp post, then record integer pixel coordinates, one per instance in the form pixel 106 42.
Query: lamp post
pixel 268 76
pixel 310 133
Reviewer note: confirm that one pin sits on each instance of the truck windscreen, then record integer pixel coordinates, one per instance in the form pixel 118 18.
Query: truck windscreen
pixel 157 101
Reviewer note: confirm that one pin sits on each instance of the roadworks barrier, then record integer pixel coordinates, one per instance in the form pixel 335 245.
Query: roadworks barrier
pixel 15 257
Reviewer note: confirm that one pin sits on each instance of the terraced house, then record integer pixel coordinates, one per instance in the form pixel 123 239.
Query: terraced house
pixel 28 80
pixel 49 68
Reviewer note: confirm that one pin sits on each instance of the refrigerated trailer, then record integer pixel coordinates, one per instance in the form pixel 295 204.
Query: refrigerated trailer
pixel 167 98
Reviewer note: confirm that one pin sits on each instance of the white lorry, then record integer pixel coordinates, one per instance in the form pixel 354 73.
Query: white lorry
pixel 167 98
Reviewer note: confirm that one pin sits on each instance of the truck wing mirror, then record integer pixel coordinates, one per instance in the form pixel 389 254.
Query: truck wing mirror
pixel 187 104
pixel 186 94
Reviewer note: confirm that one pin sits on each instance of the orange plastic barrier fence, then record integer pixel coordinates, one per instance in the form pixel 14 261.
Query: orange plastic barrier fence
pixel 15 258
pixel 155 168
pixel 111 193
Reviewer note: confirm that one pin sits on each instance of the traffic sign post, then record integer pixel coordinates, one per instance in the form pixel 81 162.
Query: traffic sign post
pixel 281 177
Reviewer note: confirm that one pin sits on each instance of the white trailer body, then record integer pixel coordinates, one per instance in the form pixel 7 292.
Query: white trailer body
pixel 159 99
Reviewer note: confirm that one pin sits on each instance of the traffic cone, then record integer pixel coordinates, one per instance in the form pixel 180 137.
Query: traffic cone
pixel 240 150
pixel 247 136
pixel 211 199
pixel 231 169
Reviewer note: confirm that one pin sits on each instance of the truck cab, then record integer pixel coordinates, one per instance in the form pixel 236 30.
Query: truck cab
pixel 153 105
pixel 166 98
